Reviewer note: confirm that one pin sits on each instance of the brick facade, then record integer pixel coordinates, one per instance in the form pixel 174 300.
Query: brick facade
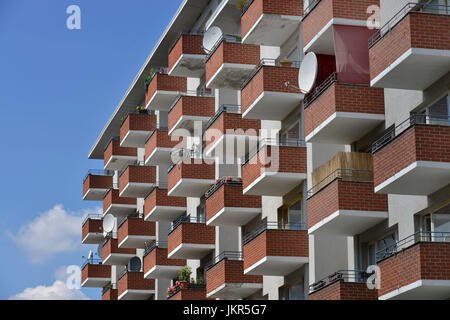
pixel 190 294
pixel 95 271
pixel 114 149
pixel 136 227
pixel 111 294
pixel 97 182
pixel 91 226
pixel 186 44
pixel 191 106
pixel 192 233
pixel 159 197
pixel 158 257
pixel 134 281
pixel 137 174
pixel 159 139
pixel 112 197
pixel 191 171
pixel 111 246
pixel 137 122
pixel 164 82
pixel 342 290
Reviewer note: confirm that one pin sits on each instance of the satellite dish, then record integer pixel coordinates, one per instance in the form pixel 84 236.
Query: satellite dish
pixel 210 38
pixel 100 250
pixel 308 72
pixel 134 265
pixel 108 223
pixel 90 255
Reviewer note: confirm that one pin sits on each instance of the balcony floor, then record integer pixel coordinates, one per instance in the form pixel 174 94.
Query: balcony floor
pixel 120 210
pixel 191 251
pixel 273 105
pixel 91 282
pixel 348 222
pixel 93 238
pixel 160 155
pixel 230 76
pixel 134 241
pixel 234 291
pixel 119 162
pixel 165 213
pixel 191 187
pixel 120 259
pixel 188 122
pixel 344 128
pixel 132 294
pixel 421 290
pixel 231 216
pixel 276 265
pixel 431 175
pixel 135 139
pixel 136 190
pixel 162 100
pixel 189 65
pixel 163 272
pixel 274 183
pixel 95 194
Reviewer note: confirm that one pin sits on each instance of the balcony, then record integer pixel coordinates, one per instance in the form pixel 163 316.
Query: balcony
pixel 192 292
pixel 343 285
pixel 96 184
pixel 228 136
pixel 158 265
pixel 189 109
pixel 226 16
pixel 413 157
pixel 136 129
pixel 230 63
pixel 133 286
pixel 227 206
pixel 109 294
pixel 338 113
pixel 163 90
pixel 275 168
pixel 225 278
pixel 187 57
pixel 113 255
pixel 159 206
pixel 342 201
pixel 137 181
pixel 94 274
pixel 117 157
pixel 320 17
pixel 416 268
pixel 159 147
pixel 276 250
pixel 92 230
pixel 118 206
pixel 190 238
pixel 264 93
pixel 412 50
pixel 135 233
pixel 191 176
pixel 270 23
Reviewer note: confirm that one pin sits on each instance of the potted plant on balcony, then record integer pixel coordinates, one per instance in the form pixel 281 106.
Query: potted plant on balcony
pixel 286 63
pixel 183 276
pixel 241 4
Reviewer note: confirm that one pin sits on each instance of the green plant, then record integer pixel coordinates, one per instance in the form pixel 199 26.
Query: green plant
pixel 185 273
pixel 241 4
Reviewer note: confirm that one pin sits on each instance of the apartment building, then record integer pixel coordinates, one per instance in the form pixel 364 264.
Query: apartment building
pixel 219 159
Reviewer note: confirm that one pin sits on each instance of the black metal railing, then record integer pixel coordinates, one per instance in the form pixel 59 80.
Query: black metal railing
pixel 421 236
pixel 283 142
pixel 228 108
pixel 191 93
pixel 225 255
pixel 321 88
pixel 153 246
pixel 355 276
pixel 311 7
pixel 186 219
pixel 407 9
pixel 272 226
pixel 105 289
pixel 266 62
pixel 356 175
pixel 95 172
pixel 91 261
pixel 91 216
pixel 232 181
pixel 224 38
pixel 418 118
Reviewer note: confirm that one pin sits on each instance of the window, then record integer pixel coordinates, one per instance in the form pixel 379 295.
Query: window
pixel 293 292
pixel 385 244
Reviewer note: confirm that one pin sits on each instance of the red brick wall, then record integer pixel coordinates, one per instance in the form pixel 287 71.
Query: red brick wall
pixel 194 233
pixel 111 294
pixel 99 182
pixel 290 160
pixel 418 143
pixel 258 7
pixel 345 291
pixel 190 294
pixel 344 195
pixel 138 122
pixel 187 44
pixel 343 98
pixel 159 197
pixel 413 31
pixel 192 106
pixel 134 281
pixel 329 9
pixel 112 247
pixel 285 243
pixel 425 260
pixel 112 197
pixel 228 271
pixel 115 149
pixel 164 82
pixel 159 139
pixel 230 52
pixel 158 257
pixel 137 174
pixel 270 79
pixel 190 171
pixel 230 196
pixel 136 227
pixel 92 226
pixel 95 271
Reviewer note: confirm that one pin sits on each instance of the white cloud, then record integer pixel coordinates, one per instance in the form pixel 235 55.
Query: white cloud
pixel 57 291
pixel 52 232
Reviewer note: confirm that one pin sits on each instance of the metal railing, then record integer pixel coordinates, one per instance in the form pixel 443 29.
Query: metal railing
pixel 228 108
pixel 356 276
pixel 91 216
pixel 407 9
pixel 96 172
pixel 92 261
pixel 421 236
pixel 355 175
pixel 246 7
pixel 139 111
pixel 284 142
pixel 271 63
pixel 191 93
pixel 321 88
pixel 105 289
pixel 185 219
pixel 182 154
pixel 233 181
pixel 228 255
pixel 310 8
pixel 273 226
pixel 224 38
pixel 427 119
pixel 154 245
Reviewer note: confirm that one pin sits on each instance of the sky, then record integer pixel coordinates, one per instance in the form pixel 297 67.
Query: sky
pixel 58 88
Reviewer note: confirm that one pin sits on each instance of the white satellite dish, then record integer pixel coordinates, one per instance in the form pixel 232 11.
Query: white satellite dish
pixel 90 255
pixel 108 223
pixel 308 72
pixel 100 250
pixel 210 38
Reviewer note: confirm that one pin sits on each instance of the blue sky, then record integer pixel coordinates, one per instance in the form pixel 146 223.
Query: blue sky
pixel 58 88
